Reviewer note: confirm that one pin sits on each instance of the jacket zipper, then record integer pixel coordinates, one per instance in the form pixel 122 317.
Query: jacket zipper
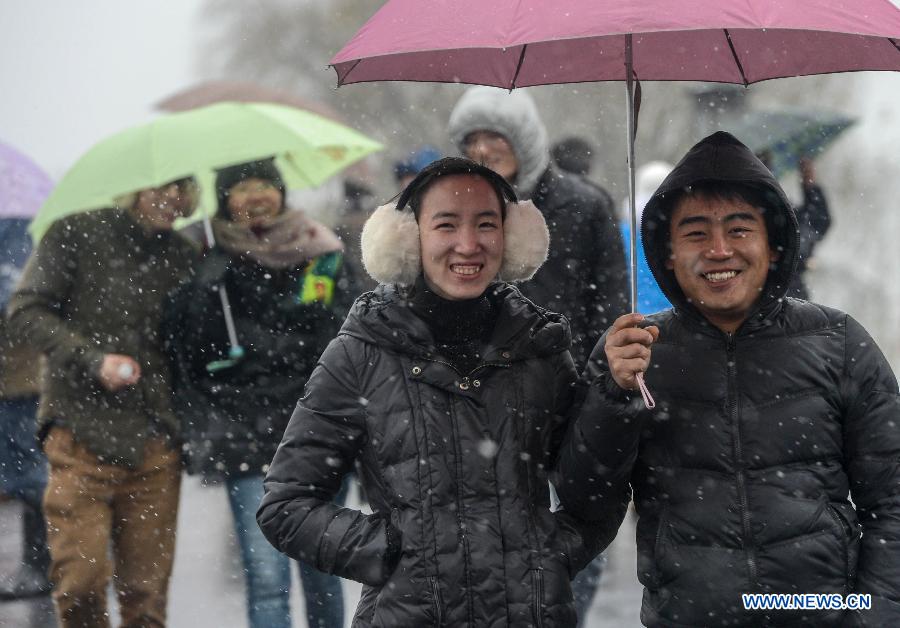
pixel 438 602
pixel 734 413
pixel 537 597
pixel 460 518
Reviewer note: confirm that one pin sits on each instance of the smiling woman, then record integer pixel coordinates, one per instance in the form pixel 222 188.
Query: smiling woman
pixel 442 377
pixel 461 233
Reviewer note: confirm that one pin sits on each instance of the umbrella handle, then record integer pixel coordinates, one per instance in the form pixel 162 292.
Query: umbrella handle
pixel 645 392
pixel 234 356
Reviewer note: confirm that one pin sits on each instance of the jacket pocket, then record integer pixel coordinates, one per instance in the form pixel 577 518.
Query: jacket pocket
pixel 537 597
pixel 437 600
pixel 661 531
pixel 849 536
pixel 653 565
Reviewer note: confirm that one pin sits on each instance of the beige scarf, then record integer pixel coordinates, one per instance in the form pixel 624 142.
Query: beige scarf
pixel 285 241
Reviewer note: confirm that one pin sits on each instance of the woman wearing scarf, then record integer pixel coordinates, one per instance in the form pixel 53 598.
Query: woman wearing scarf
pixel 450 391
pixel 278 269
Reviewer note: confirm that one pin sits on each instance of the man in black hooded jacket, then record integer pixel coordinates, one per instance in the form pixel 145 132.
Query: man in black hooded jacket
pixel 772 414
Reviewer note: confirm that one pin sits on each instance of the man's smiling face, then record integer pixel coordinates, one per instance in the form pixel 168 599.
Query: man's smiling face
pixel 720 254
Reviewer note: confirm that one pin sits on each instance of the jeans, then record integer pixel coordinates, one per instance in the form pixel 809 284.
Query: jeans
pixel 585 585
pixel 23 466
pixel 268 570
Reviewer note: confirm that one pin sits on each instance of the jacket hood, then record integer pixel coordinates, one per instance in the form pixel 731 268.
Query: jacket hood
pixel 722 158
pixel 523 330
pixel 514 116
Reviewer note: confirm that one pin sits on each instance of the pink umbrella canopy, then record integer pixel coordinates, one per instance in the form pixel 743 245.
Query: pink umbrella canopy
pixel 518 43
pixel 23 185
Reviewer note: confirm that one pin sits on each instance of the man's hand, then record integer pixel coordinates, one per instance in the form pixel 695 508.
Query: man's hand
pixel 807 171
pixel 118 372
pixel 628 349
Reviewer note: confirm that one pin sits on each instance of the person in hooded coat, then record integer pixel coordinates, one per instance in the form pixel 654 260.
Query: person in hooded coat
pixel 585 277
pixel 450 390
pixel 772 414
pixel 279 270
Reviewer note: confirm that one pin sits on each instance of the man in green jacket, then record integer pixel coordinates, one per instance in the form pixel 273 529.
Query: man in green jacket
pixel 90 300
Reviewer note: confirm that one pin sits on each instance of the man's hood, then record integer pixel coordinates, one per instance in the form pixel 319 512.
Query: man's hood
pixel 721 158
pixel 514 116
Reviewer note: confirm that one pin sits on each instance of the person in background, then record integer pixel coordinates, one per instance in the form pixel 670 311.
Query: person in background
pixel 23 467
pixel 90 300
pixel 770 463
pixel 406 170
pixel 814 218
pixel 279 270
pixel 450 390
pixel 585 277
pixel 647 178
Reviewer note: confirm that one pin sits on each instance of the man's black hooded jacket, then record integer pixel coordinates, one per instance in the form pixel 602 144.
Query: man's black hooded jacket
pixel 744 473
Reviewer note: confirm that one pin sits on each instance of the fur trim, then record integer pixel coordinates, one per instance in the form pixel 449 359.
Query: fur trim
pixel 526 241
pixel 513 115
pixel 391 252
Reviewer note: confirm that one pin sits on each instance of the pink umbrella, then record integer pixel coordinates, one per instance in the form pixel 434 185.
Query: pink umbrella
pixel 23 185
pixel 518 43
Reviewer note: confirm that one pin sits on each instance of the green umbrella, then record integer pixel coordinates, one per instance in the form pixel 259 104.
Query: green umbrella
pixel 308 148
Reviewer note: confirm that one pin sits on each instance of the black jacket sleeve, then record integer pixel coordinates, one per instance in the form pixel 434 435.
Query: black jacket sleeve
pixel 584 540
pixel 872 453
pixel 321 443
pixel 599 452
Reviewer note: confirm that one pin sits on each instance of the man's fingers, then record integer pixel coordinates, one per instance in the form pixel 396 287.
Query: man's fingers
pixel 629 352
pixel 625 321
pixel 625 370
pixel 632 335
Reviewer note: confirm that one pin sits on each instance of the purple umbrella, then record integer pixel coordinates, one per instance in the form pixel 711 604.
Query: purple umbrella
pixel 517 43
pixel 23 185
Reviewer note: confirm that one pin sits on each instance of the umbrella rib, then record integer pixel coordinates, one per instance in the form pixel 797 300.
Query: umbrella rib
pixel 736 60
pixel 896 44
pixel 512 85
pixel 343 80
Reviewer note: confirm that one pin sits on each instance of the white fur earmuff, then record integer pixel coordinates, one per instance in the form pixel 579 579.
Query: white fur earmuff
pixel 526 241
pixel 392 253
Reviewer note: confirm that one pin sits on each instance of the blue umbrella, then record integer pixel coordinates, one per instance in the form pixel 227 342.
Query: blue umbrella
pixel 784 136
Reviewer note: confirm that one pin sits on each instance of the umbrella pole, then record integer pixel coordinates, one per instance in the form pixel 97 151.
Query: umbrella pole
pixel 632 208
pixel 235 351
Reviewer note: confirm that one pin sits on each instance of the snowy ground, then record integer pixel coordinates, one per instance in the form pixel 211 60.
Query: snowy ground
pixel 207 586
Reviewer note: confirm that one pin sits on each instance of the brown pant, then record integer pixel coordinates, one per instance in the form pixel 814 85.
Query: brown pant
pixel 88 505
